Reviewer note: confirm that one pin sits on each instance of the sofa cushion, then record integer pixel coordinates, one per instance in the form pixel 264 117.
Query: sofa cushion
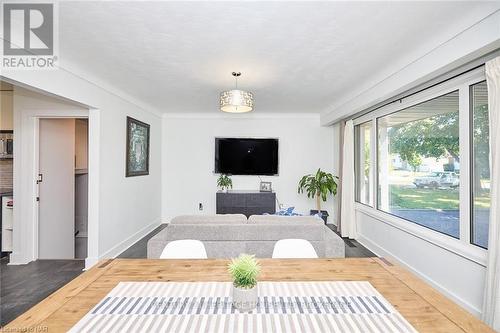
pixel 210 219
pixel 232 232
pixel 285 220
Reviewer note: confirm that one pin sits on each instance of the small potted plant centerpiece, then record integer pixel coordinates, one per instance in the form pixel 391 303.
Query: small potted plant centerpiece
pixel 224 182
pixel 244 271
pixel 319 186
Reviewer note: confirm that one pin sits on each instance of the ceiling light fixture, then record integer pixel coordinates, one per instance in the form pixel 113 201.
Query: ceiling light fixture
pixel 236 101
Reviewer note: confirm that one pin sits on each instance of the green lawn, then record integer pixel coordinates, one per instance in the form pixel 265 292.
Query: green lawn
pixel 425 198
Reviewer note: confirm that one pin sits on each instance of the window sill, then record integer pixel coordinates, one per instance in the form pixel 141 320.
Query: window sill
pixel 465 250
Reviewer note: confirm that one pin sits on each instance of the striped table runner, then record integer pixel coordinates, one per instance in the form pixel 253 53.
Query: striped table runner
pixel 353 306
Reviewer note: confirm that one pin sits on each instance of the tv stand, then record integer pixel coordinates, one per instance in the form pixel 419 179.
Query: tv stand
pixel 245 202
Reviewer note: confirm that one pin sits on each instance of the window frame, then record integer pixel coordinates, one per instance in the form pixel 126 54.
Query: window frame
pixel 373 146
pixel 471 164
pixel 463 245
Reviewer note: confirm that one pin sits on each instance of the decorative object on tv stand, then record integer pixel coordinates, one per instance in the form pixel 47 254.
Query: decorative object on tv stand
pixel 236 100
pixel 224 182
pixel 266 187
pixel 244 270
pixel 319 186
pixel 137 159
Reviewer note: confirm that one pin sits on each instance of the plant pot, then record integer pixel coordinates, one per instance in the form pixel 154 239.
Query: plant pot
pixel 324 214
pixel 245 300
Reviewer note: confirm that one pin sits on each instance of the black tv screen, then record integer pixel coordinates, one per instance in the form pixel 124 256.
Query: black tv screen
pixel 246 156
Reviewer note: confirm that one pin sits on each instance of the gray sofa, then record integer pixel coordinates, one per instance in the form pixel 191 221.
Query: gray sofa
pixel 226 236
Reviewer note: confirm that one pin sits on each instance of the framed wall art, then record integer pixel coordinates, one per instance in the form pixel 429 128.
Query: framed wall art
pixel 137 161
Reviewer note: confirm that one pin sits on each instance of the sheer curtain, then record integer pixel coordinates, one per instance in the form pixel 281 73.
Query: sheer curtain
pixel 491 304
pixel 347 213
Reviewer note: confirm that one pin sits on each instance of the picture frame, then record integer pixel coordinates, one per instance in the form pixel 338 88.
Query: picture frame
pixel 137 151
pixel 266 187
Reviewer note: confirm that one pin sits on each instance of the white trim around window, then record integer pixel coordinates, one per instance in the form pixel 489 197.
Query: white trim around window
pixel 461 246
pixel 471 252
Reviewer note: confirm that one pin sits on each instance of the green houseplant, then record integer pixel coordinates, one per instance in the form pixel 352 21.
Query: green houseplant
pixel 244 271
pixel 319 186
pixel 224 182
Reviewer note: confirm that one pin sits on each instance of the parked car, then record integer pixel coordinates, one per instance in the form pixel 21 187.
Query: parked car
pixel 438 179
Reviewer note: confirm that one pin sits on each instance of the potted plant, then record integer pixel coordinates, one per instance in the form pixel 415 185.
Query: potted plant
pixel 244 271
pixel 319 186
pixel 224 182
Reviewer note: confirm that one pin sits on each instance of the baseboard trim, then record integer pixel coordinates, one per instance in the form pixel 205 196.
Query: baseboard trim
pixel 122 246
pixel 89 262
pixel 381 252
pixel 18 259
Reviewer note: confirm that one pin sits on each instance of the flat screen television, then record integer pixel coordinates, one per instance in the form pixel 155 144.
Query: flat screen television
pixel 238 156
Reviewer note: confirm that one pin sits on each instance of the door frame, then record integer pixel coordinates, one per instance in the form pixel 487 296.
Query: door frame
pixel 25 249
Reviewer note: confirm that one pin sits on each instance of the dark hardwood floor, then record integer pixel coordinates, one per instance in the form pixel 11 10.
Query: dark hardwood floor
pixel 352 248
pixel 139 249
pixel 23 286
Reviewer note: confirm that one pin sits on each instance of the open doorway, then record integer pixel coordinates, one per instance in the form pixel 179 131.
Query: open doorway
pixel 22 109
pixel 62 188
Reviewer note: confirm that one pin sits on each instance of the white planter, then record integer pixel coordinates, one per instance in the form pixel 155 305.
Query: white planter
pixel 245 300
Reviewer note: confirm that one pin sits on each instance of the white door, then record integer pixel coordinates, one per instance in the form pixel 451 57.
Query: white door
pixel 56 217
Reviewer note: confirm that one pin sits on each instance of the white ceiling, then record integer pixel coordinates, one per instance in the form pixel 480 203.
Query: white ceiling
pixel 295 56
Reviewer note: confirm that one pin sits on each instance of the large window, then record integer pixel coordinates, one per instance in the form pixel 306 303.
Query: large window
pixel 419 164
pixel 363 135
pixel 424 160
pixel 480 165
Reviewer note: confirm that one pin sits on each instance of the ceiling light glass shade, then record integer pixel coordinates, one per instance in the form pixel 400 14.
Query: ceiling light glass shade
pixel 236 101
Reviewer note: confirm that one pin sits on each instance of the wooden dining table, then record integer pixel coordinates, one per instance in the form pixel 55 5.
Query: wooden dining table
pixel 422 306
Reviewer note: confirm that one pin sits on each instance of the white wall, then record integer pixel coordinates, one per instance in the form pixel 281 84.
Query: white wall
pixel 188 158
pixel 457 277
pixel 127 208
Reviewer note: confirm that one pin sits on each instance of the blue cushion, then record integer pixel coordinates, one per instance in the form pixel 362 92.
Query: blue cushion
pixel 286 212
